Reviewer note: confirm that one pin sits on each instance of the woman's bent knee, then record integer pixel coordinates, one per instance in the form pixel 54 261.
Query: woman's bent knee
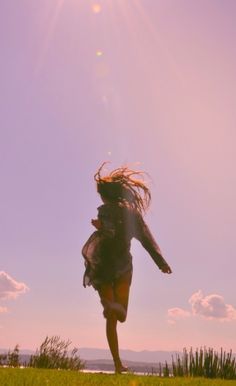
pixel 122 318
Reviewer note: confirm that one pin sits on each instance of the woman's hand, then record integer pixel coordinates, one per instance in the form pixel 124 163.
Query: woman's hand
pixel 166 269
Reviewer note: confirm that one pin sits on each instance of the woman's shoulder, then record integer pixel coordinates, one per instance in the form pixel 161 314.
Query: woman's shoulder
pixel 119 208
pixel 108 208
pixel 131 214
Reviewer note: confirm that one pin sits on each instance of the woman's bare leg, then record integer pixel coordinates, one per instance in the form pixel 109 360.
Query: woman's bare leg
pixel 121 296
pixel 115 302
pixel 112 338
pixel 106 294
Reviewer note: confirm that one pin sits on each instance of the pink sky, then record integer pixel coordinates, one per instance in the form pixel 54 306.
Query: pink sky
pixel 148 83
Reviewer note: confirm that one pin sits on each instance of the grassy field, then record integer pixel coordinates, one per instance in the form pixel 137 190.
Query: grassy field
pixel 38 377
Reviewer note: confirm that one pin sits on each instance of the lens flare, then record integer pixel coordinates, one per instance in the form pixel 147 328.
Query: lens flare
pixel 99 53
pixel 96 8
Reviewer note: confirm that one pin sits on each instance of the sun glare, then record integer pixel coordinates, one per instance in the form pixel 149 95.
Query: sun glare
pixel 99 53
pixel 96 8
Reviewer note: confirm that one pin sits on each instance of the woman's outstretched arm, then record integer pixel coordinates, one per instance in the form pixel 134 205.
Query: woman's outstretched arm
pixel 143 234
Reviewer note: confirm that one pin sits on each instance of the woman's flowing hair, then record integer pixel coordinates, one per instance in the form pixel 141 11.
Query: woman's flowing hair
pixel 120 185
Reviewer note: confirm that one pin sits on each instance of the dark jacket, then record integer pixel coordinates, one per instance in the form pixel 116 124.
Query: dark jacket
pixel 110 256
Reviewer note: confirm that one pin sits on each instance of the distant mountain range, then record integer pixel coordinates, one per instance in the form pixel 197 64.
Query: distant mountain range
pixel 88 354
pixel 100 359
pixel 130 355
pixel 139 361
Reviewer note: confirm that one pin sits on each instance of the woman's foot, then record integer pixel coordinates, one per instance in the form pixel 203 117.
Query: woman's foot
pixel 119 368
pixel 113 307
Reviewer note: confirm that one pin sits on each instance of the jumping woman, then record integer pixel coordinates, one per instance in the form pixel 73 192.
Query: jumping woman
pixel 107 252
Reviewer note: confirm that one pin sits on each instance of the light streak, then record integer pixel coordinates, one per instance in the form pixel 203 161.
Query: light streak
pixel 49 36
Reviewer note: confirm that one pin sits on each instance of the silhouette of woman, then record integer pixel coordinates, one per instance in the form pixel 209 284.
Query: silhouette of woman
pixel 107 252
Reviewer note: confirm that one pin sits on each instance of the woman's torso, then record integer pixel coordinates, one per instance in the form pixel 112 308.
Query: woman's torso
pixel 118 227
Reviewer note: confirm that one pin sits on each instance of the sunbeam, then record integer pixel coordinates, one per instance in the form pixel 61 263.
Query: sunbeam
pixel 48 36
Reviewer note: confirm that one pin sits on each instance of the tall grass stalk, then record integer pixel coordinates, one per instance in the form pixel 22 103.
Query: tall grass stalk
pixel 205 363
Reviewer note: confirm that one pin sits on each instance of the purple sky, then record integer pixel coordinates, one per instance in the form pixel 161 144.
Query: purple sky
pixel 148 83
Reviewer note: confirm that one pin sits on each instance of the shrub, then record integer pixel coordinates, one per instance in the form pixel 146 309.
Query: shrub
pixel 53 354
pixel 3 359
pixel 13 358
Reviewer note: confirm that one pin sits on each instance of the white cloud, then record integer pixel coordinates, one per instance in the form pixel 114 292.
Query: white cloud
pixel 9 287
pixel 212 307
pixel 176 313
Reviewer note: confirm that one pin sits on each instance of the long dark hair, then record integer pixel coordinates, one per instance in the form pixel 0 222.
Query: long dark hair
pixel 120 186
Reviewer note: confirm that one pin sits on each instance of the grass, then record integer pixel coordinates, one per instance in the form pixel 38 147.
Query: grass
pixel 205 363
pixel 39 377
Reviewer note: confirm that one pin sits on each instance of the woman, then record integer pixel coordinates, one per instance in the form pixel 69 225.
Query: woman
pixel 107 252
